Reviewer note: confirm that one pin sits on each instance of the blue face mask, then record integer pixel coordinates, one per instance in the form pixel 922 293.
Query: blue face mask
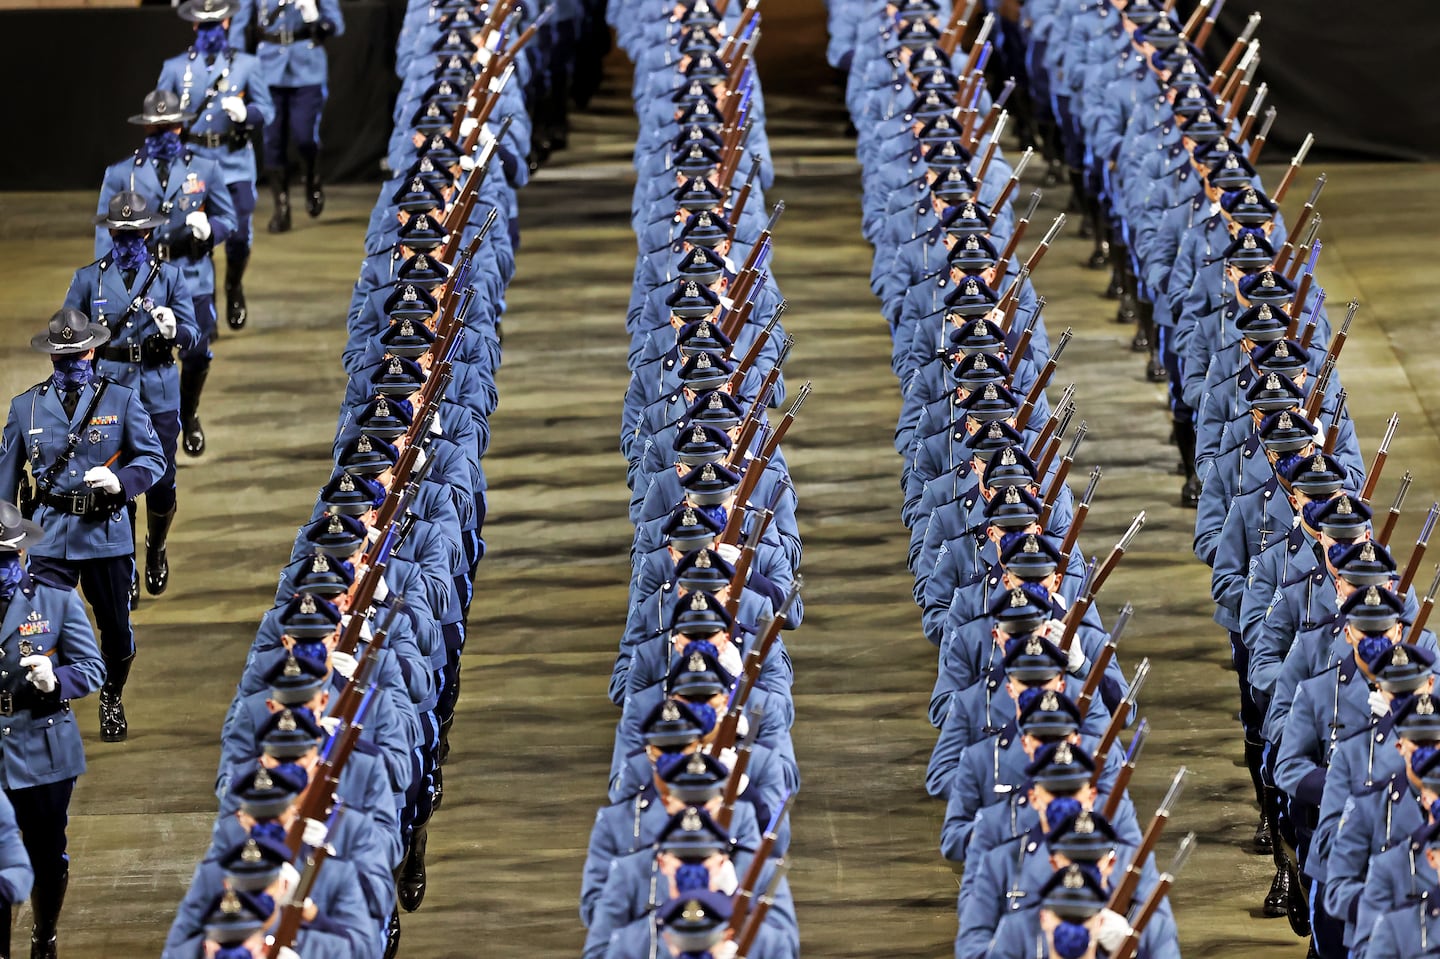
pixel 162 146
pixel 1071 940
pixel 129 249
pixel 269 829
pixel 210 39
pixel 692 876
pixel 71 372
pixel 11 572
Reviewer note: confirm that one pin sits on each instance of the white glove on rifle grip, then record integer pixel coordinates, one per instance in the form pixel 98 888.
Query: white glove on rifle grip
pixel 165 321
pixel 41 672
pixel 309 10
pixel 102 477
pixel 315 832
pixel 199 224
pixel 1113 931
pixel 234 108
pixel 344 663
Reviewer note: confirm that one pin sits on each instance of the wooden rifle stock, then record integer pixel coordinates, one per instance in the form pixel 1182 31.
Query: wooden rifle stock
pixel 1426 605
pixel 1052 492
pixel 1332 435
pixel 1042 380
pixel 955 27
pixel 756 919
pixel 1002 265
pixel 745 893
pixel 292 912
pixel 1082 510
pixel 732 787
pixel 1117 721
pixel 1151 906
pixel 1127 771
pixel 751 355
pixel 1097 581
pixel 1196 16
pixel 1422 543
pixel 1389 528
pixel 1124 893
pixel 1296 162
pixel 1382 453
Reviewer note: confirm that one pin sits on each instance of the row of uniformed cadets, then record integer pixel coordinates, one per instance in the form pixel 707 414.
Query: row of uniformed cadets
pixel 1029 699
pixel 332 751
pixel 1326 631
pixel 686 857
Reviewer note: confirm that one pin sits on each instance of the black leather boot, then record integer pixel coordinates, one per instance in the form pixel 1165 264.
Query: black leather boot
pixel 46 901
pixel 236 312
pixel 314 190
pixel 279 178
pixel 1185 440
pixel 192 384
pixel 392 936
pixel 412 879
pixel 1277 900
pixel 157 563
pixel 113 726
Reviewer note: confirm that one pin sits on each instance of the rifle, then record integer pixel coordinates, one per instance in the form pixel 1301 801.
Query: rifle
pixel 751 11
pixel 1014 180
pixel 1253 113
pixel 753 354
pixel 1259 144
pixel 1296 162
pixel 1241 42
pixel 1117 720
pixel 973 135
pixel 1332 435
pixel 746 938
pixel 1313 323
pixel 319 795
pixel 726 811
pixel 1022 345
pixel 1131 945
pixel 1209 24
pixel 739 206
pixel 1252 50
pixel 772 443
pixel 1315 400
pixel 747 557
pixel 990 149
pixel 1082 510
pixel 1426 605
pixel 1082 602
pixel 1384 538
pixel 745 894
pixel 752 261
pixel 1009 301
pixel 1124 892
pixel 1107 653
pixel 955 27
pixel 1301 222
pixel 1332 356
pixel 1059 419
pixel 1022 417
pixel 496 86
pixel 1061 472
pixel 1421 544
pixel 1188 30
pixel 751 424
pixel 292 912
pixel 1002 265
pixel 1381 454
pixel 1122 778
pixel 978 45
pixel 1242 86
pixel 1302 253
pixel 750 674
pixel 1042 465
pixel 362 591
pixel 1039 252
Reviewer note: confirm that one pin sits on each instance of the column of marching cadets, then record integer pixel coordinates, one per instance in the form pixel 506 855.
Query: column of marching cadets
pixel 1030 699
pixel 332 751
pixel 686 860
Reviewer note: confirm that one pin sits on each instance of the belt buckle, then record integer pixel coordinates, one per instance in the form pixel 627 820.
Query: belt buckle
pixel 135 352
pixel 7 703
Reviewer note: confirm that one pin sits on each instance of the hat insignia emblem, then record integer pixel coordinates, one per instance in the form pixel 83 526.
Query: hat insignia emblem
pixel 1012 495
pixel 417 185
pixel 125 211
pixel 697 435
pixel 696 765
pixel 335 525
pixel 251 852
pixel 1268 281
pixel 1265 313
pixel 1018 599
pixel 292 666
pixel 1343 508
pixel 66 333
pixel 980 362
pixel 363 445
pixel 1073 878
pixel 307 604
pixel 703 330
pixel 1007 458
pixel 971 243
pixel 692 289
pixel 690 821
pixel 321 564
pixel 1425 706
pixel 1281 350
pixel 697 663
pixel 1249 241
pixel 1284 423
pixel 698 604
pixel 688 518
pixel 1372 597
pixel 395 368
pixel 995 431
pixel 715 402
pixel 263 780
pixel 347 485
pixel 1272 382
pixel 702 362
pixel 286 723
pixel 382 408
pixel 972 289
pixel 1084 824
pixel 670 713
pixel 969 212
pixel 230 903
pixel 1367 552
pixel 421 263
pixel 708 473
pixel 693 911
pixel 1033 647
pixel 407 328
pixel 1030 545
pixel 410 295
pixel 1049 702
pixel 990 392
pixel 1250 195
pixel 702 561
pixel 1399 657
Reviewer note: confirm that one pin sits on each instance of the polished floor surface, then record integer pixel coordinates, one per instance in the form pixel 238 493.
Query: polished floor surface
pixel 532 742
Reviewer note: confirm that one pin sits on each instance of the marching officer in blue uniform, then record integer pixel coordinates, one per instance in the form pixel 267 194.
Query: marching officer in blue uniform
pixel 90 448
pixel 145 305
pixel 225 90
pixel 190 190
pixel 48 658
pixel 289 38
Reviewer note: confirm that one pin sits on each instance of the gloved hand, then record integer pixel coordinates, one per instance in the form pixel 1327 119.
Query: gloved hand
pixel 420 457
pixel 435 426
pixel 727 882
pixel 487 136
pixel 725 950
pixel 1112 931
pixel 731 660
pixel 165 322
pixel 1379 705
pixel 382 590
pixel 199 224
pixel 1075 657
pixel 102 477
pixel 289 879
pixel 329 724
pixel 344 663
pixel 729 552
pixel 287 953
pixel 467 127
pixel 467 163
pixel 41 672
pixel 234 108
pixel 315 832
pixel 309 10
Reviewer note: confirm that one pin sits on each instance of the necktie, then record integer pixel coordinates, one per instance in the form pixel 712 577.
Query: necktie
pixel 162 169
pixel 70 399
pixel 129 276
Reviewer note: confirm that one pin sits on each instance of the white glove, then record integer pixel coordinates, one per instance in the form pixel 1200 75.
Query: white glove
pixel 729 552
pixel 287 953
pixel 309 10
pixel 1113 930
pixel 289 879
pixel 726 882
pixel 344 663
pixel 1075 658
pixel 467 127
pixel 730 660
pixel 102 477
pixel 487 136
pixel 315 832
pixel 330 724
pixel 164 318
pixel 199 224
pixel 725 950
pixel 1379 705
pixel 234 108
pixel 435 426
pixel 728 756
pixel 382 592
pixel 742 726
pixel 41 674
pixel 467 163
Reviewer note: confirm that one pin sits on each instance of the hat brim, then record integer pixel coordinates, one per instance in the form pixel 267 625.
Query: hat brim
pixel 149 222
pixel 189 14
pixel 164 119
pixel 96 335
pixel 30 533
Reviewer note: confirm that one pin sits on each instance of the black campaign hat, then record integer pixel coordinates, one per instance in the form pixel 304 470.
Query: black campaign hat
pixel 129 210
pixel 69 331
pixel 17 532
pixel 161 107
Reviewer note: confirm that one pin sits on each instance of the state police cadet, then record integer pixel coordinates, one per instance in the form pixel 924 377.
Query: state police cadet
pixel 688 858
pixel 1327 632
pixel 1029 698
pixel 332 750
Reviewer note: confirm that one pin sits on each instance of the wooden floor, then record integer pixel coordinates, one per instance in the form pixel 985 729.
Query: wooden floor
pixel 533 737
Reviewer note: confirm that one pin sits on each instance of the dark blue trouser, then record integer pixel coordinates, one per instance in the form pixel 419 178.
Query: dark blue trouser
pixel 1178 409
pixel 105 584
pixel 237 245
pixel 42 813
pixel 160 497
pixel 297 122
pixel 200 355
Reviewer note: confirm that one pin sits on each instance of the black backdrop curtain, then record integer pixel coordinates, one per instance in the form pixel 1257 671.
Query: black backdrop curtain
pixel 72 77
pixel 1359 75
